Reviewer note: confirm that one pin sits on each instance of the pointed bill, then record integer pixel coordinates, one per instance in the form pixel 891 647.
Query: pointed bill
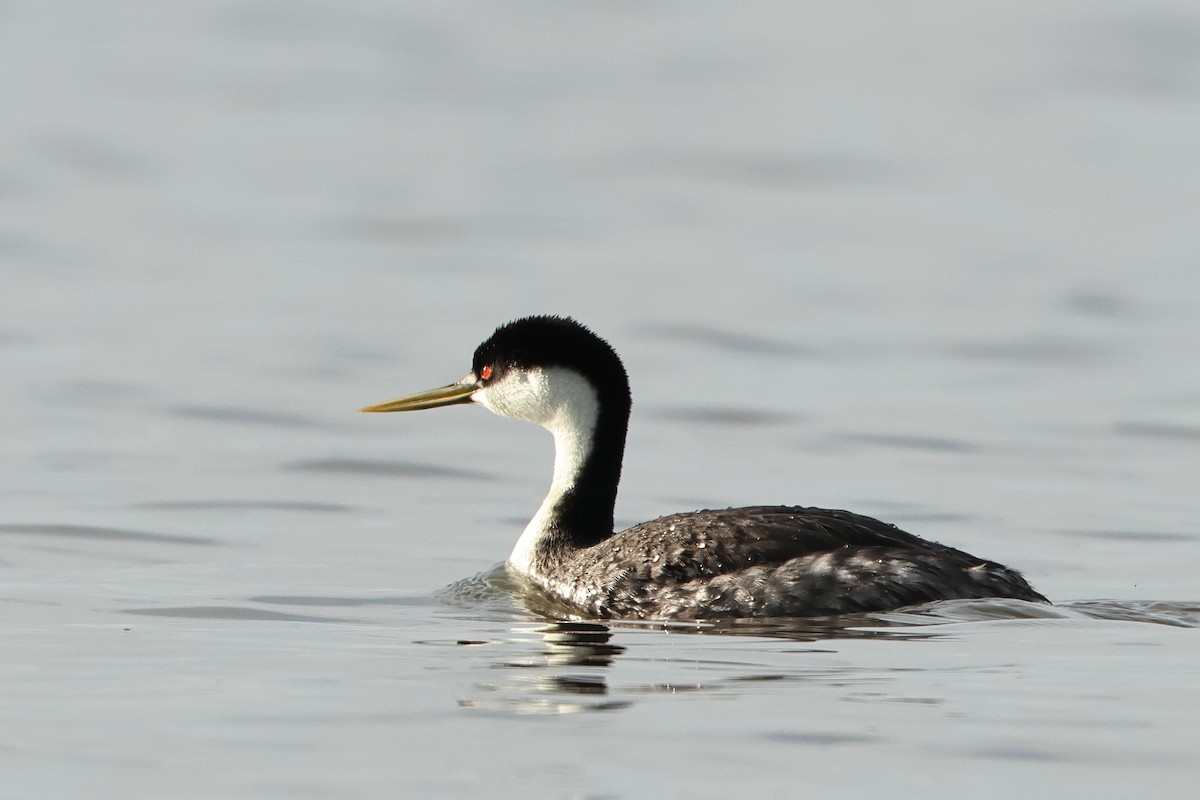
pixel 433 398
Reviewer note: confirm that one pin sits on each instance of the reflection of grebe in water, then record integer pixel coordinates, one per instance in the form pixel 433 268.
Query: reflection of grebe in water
pixel 759 561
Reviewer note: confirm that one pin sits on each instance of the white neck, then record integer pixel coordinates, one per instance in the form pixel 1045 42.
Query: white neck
pixel 564 403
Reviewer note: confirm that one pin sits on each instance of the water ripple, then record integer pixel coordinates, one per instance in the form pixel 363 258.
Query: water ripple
pixel 106 534
pixel 247 505
pixel 391 469
pixel 229 613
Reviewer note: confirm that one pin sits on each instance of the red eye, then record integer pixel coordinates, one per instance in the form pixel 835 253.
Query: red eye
pixel 486 372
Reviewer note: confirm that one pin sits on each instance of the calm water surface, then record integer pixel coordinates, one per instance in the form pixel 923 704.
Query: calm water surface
pixel 932 263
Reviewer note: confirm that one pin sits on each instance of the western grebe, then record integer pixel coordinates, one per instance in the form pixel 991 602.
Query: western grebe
pixel 759 561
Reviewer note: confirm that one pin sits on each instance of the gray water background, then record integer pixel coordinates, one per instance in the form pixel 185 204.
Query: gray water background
pixel 934 262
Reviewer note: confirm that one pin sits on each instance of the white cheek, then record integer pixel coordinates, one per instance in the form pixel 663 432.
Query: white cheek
pixel 521 394
pixel 480 396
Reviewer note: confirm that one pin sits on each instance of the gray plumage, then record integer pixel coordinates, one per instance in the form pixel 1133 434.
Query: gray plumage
pixel 767 561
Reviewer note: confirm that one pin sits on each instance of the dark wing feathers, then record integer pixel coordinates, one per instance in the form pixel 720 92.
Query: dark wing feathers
pixel 779 561
pixel 733 538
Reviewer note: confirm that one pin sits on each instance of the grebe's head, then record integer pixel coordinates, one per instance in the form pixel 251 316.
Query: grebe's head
pixel 546 369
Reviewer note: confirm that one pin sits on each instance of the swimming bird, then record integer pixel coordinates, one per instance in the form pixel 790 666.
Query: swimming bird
pixel 758 561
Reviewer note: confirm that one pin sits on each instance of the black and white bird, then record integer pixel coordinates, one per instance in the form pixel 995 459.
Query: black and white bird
pixel 758 561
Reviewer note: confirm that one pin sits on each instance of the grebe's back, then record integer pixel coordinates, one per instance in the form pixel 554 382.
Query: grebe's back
pixel 772 561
